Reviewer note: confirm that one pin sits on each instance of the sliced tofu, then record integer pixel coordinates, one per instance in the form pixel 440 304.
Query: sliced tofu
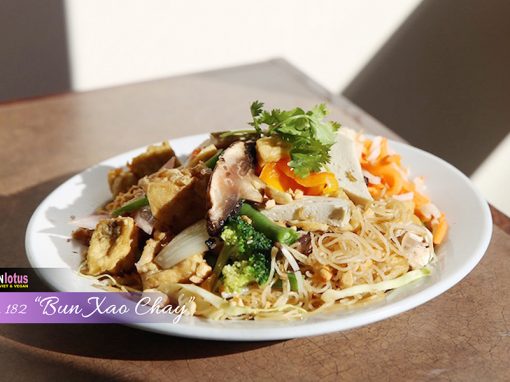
pixel 194 269
pixel 201 154
pixel 177 196
pixel 345 165
pixel 152 160
pixel 417 251
pixel 121 180
pixel 146 264
pixel 333 212
pixel 112 246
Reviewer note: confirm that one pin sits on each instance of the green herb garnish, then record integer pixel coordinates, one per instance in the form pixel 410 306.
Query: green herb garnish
pixel 310 137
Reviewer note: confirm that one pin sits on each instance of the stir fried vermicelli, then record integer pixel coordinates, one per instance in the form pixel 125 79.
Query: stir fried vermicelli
pixel 278 223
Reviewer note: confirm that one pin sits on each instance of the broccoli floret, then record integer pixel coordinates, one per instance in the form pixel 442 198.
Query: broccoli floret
pixel 248 248
pixel 244 239
pixel 241 273
pixel 265 225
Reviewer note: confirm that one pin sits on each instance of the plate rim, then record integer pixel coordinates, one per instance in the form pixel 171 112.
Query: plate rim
pixel 310 329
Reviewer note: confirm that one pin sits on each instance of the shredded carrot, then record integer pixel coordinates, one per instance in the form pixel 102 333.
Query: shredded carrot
pixel 439 230
pixel 384 148
pixel 376 190
pixel 388 167
pixel 390 177
pixel 391 159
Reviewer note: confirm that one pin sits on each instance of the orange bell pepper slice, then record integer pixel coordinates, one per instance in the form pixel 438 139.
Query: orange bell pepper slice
pixel 276 179
pixel 316 183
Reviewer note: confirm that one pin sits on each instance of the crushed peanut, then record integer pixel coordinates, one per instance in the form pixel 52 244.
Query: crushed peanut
pixel 347 279
pixel 325 274
pixel 201 272
pixel 270 203
pixel 298 194
pixel 246 219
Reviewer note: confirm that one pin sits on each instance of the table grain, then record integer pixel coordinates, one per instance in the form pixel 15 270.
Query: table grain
pixel 462 335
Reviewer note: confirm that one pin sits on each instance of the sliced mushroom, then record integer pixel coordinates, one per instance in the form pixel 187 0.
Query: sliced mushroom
pixel 232 180
pixel 305 244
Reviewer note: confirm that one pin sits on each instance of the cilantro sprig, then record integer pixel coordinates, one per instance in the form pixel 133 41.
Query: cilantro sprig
pixel 309 135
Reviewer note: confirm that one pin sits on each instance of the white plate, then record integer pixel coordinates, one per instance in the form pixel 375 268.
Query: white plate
pixel 467 212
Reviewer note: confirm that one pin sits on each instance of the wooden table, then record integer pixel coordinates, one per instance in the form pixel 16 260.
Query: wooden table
pixel 463 335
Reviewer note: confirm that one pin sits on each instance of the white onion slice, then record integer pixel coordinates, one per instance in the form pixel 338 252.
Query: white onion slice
pixel 292 262
pixel 187 243
pixel 300 282
pixel 295 267
pixel 375 149
pixel 274 252
pixel 170 163
pixel 144 220
pixel 297 255
pixel 88 222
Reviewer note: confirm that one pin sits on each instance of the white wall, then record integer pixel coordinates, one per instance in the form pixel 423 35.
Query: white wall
pixel 493 176
pixel 119 41
pixel 113 42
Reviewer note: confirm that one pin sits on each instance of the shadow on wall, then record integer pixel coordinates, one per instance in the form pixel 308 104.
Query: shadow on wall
pixel 33 49
pixel 442 80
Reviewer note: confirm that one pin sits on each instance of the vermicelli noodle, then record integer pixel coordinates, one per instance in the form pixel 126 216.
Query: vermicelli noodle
pixel 369 254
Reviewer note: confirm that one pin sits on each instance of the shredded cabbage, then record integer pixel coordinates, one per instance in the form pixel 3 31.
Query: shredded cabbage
pixel 224 309
pixel 333 295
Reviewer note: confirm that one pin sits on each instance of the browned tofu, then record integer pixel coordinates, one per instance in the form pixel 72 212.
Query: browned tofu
pixel 152 160
pixel 112 246
pixel 82 235
pixel 121 180
pixel 177 197
pixel 193 269
pixel 201 154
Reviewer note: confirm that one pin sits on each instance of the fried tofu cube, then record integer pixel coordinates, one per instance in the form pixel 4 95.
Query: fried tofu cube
pixel 193 269
pixel 152 160
pixel 83 235
pixel 112 246
pixel 177 196
pixel 201 154
pixel 121 180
